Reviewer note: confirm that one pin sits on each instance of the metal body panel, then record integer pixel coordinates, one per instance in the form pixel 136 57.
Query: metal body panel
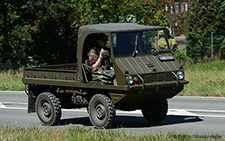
pixel 67 72
pixel 145 63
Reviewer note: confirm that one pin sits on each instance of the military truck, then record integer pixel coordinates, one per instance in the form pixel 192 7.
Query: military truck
pixel 146 71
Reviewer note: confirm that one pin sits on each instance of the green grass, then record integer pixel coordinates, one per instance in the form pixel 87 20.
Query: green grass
pixel 11 81
pixel 207 79
pixel 81 134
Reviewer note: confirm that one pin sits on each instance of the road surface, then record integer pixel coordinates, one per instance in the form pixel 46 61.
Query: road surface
pixel 186 115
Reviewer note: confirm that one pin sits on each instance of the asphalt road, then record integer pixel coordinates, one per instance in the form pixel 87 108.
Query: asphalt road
pixel 189 115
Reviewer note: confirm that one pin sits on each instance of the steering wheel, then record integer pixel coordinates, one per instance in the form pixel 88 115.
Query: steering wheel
pixel 105 53
pixel 153 50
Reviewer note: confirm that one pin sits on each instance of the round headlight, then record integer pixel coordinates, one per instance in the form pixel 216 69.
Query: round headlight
pixel 180 75
pixel 129 80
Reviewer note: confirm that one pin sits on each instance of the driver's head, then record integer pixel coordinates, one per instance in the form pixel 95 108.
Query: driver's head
pixel 102 40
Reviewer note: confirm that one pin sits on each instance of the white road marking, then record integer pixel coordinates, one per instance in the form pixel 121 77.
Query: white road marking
pixel 5 105
pixel 177 112
pixel 180 112
pixel 2 106
pixel 15 108
pixel 14 103
pixel 207 111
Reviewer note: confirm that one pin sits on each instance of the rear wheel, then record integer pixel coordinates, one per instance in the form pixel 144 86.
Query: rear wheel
pixel 155 112
pixel 101 111
pixel 48 108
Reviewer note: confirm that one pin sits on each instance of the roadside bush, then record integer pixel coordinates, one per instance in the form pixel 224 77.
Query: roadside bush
pixel 180 55
pixel 197 47
pixel 222 50
pixel 201 19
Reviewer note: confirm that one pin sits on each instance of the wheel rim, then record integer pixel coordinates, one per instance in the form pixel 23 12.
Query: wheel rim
pixel 100 111
pixel 46 108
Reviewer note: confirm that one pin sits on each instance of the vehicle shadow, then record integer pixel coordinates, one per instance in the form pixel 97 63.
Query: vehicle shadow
pixel 135 121
pixel 139 122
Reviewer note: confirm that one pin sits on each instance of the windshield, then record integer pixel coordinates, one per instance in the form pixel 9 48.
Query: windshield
pixel 143 42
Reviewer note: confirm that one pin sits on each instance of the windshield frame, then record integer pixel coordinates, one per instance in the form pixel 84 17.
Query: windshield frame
pixel 138 35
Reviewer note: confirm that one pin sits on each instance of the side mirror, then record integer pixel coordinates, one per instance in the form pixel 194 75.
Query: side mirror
pixel 174 47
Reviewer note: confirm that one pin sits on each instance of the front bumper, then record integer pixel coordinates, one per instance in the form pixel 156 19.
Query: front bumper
pixel 158 84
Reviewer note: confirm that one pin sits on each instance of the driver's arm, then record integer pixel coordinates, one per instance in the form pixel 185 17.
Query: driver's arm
pixel 94 59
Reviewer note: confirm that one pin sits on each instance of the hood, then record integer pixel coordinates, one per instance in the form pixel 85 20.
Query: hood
pixel 145 64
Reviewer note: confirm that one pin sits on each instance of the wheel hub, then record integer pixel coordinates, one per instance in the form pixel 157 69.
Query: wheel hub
pixel 46 109
pixel 100 111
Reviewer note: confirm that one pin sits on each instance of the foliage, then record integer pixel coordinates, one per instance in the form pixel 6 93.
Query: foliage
pixel 202 18
pixel 47 30
pixel 198 48
pixel 55 37
pixel 14 34
pixel 107 11
pixel 137 11
pixel 153 12
pixel 180 55
pixel 222 50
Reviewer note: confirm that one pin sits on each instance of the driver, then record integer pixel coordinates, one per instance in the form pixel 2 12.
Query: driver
pixel 102 69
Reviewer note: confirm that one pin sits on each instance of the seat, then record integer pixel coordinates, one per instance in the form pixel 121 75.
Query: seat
pixel 87 70
pixel 89 43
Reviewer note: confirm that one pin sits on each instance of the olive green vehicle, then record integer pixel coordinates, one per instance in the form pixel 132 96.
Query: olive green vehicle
pixel 146 72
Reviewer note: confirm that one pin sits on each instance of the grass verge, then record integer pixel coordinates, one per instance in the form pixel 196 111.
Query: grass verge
pixel 11 81
pixel 207 79
pixel 78 133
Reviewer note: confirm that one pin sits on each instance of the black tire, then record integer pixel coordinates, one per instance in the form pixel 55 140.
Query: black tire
pixel 155 112
pixel 48 108
pixel 101 111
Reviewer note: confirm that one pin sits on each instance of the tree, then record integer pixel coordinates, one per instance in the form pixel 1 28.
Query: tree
pixel 138 11
pixel 47 30
pixel 14 34
pixel 202 18
pixel 152 12
pixel 55 36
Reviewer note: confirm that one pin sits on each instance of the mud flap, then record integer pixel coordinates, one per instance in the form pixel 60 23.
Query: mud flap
pixel 31 104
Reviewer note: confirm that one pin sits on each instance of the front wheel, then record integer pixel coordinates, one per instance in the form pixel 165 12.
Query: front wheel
pixel 48 108
pixel 101 111
pixel 155 112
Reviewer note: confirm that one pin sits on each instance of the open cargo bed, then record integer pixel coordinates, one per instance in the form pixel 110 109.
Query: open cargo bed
pixel 54 74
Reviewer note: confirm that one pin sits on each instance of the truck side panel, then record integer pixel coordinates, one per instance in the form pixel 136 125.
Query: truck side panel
pixel 66 72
